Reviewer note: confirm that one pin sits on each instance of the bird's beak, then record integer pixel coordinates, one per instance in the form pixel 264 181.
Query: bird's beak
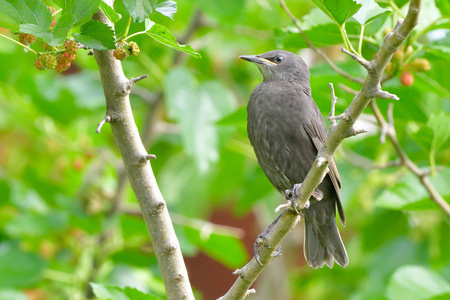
pixel 257 59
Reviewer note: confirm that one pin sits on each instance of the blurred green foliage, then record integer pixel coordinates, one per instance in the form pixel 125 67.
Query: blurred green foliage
pixel 58 179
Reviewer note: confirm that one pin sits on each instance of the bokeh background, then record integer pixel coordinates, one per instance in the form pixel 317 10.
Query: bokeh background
pixel 68 216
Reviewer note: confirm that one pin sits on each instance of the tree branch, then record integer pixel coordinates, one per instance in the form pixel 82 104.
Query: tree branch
pixel 317 50
pixel 167 249
pixel 249 273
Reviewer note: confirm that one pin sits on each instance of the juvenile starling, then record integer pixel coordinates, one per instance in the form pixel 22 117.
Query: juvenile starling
pixel 286 130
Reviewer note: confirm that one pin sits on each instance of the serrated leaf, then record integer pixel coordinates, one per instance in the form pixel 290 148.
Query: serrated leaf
pixel 139 10
pixel 96 35
pixel 109 12
pixel 416 283
pixel 37 31
pixel 162 35
pixel 369 12
pixel 338 11
pixel 61 29
pixel 14 13
pixel 167 8
pixel 82 10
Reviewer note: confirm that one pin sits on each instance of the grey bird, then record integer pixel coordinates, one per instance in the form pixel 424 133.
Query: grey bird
pixel 286 130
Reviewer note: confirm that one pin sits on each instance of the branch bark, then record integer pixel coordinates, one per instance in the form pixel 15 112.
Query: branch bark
pixel 167 249
pixel 371 89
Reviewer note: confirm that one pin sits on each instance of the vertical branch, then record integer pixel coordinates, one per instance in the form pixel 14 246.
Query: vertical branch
pixel 167 249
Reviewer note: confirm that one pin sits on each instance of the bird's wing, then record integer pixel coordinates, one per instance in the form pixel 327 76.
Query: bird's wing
pixel 318 135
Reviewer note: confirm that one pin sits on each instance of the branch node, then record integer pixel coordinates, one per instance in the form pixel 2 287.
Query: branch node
pixel 170 247
pixel 249 292
pixel 238 271
pixel 344 116
pixel 145 158
pixel 359 59
pixel 321 160
pixel 353 132
pixel 384 95
pixel 106 119
pixel 282 206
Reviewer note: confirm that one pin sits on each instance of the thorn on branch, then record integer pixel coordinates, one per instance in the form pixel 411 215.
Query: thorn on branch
pixel 384 95
pixel 331 117
pixel 147 157
pixel 361 60
pixel 106 119
pixel 134 80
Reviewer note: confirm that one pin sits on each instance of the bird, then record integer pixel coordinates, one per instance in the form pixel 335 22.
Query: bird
pixel 286 130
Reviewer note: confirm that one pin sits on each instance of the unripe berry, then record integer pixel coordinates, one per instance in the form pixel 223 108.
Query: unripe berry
pixel 27 39
pixel 49 61
pixel 63 64
pixel 133 48
pixel 71 47
pixel 69 57
pixel 406 79
pixel 39 64
pixel 421 64
pixel 120 53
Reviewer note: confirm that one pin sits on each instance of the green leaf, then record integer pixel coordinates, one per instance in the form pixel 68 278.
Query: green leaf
pixel 139 10
pixel 161 34
pixel 369 12
pixel 59 34
pixel 409 194
pixel 96 35
pixel 440 124
pixel 167 8
pixel 109 12
pixel 18 268
pixel 221 246
pixel 111 292
pixel 197 109
pixel 14 13
pixel 443 6
pixel 223 11
pixel 37 225
pixel 81 9
pixel 338 11
pixel 416 283
pixel 9 16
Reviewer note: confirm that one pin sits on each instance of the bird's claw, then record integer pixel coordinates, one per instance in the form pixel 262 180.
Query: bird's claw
pixel 293 194
pixel 259 241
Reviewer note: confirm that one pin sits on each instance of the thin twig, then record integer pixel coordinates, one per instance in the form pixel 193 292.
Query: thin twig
pixel 106 119
pixel 390 133
pixel 317 50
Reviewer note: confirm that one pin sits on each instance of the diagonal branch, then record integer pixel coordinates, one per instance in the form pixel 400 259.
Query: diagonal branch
pixel 249 273
pixel 116 88
pixel 317 50
pixel 389 132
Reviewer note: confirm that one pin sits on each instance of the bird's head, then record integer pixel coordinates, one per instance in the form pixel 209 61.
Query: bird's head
pixel 280 65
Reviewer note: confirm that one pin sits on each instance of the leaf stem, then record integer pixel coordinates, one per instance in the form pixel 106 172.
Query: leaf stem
pixel 134 34
pixel 361 36
pixel 19 43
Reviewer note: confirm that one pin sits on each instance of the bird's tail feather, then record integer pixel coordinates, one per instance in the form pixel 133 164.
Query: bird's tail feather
pixel 331 248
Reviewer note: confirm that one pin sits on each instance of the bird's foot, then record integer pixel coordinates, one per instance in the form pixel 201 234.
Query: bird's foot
pixel 294 194
pixel 262 239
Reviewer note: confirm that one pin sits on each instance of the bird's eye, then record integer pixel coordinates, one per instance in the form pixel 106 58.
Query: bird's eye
pixel 278 59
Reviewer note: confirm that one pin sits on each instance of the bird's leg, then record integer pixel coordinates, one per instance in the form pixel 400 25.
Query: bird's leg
pixel 294 194
pixel 262 237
